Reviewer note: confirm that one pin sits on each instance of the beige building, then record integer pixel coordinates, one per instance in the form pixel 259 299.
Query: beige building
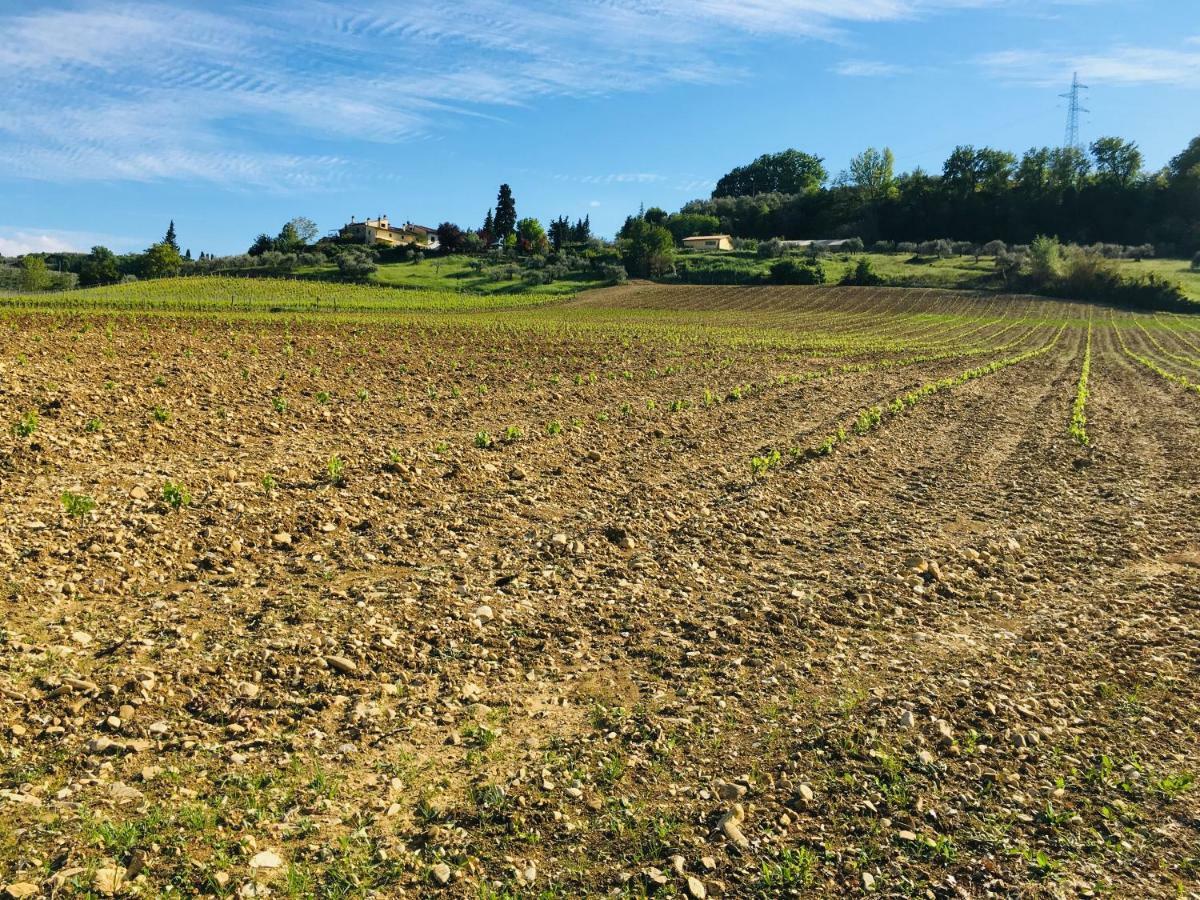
pixel 381 231
pixel 709 242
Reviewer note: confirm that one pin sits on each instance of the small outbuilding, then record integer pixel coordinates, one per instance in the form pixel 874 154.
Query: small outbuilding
pixel 708 242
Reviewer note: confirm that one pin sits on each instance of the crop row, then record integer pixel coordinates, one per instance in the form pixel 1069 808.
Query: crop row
pixel 1078 426
pixel 1180 380
pixel 872 417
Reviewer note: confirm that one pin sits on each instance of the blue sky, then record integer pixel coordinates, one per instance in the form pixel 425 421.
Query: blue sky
pixel 232 117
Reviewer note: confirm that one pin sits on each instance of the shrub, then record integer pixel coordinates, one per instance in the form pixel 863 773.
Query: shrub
pixel 614 273
pixel 883 247
pixel 792 271
pixel 1196 262
pixel 772 249
pixel 906 247
pixel 854 245
pixel 1045 259
pixel 356 265
pixel 861 275
pixel 993 248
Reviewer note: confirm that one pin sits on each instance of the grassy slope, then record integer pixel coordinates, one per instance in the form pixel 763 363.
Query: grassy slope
pixel 956 272
pixel 455 274
pixel 1177 270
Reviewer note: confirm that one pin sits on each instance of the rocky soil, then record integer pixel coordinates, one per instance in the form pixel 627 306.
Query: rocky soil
pixel 488 610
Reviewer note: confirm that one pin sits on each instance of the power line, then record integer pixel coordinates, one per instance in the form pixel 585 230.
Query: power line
pixel 1071 138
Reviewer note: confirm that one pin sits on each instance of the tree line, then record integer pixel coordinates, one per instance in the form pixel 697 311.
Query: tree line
pixel 1102 194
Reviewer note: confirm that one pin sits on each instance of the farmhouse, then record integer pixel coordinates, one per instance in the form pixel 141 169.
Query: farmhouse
pixel 709 242
pixel 380 231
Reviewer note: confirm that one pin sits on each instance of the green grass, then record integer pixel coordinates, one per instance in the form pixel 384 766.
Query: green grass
pixel 1177 270
pixel 899 269
pixel 265 295
pixel 454 273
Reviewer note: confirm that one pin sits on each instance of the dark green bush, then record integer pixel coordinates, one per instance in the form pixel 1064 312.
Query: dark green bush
pixel 798 271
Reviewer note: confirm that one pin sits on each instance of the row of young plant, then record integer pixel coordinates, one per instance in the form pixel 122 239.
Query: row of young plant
pixel 1157 344
pixel 1154 367
pixel 872 417
pixel 1078 426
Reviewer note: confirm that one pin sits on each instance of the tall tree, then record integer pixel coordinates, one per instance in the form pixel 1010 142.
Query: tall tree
pixel 261 245
pixel 170 237
pixel 581 231
pixel 560 232
pixel 34 275
pixel 161 261
pixel 1186 166
pixel 450 237
pixel 505 221
pixel 306 229
pixel 100 267
pixel 1069 168
pixel 1117 161
pixel 873 172
pixel 531 236
pixel 646 249
pixel 788 172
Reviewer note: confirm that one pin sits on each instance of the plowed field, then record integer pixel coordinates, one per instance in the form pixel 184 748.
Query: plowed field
pixel 736 592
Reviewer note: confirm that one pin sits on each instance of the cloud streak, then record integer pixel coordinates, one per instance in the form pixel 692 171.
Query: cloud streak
pixel 19 241
pixel 869 68
pixel 146 90
pixel 1123 65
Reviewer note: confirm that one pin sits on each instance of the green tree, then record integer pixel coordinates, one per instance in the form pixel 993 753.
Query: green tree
pixel 1045 259
pixel 100 267
pixel 647 250
pixel 531 236
pixel 682 225
pixel 262 244
pixel 289 239
pixel 505 221
pixel 655 215
pixel 788 172
pixel 1069 168
pixel 305 228
pixel 1118 161
pixel 1186 166
pixel 1033 173
pixel 170 237
pixel 581 231
pixel 873 172
pixel 34 274
pixel 968 170
pixel 560 232
pixel 450 237
pixel 161 261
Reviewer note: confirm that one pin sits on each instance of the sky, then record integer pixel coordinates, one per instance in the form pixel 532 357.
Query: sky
pixel 117 116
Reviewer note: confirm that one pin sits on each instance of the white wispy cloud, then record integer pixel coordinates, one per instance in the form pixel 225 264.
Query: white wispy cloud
pixel 870 68
pixel 1120 65
pixel 152 89
pixel 15 241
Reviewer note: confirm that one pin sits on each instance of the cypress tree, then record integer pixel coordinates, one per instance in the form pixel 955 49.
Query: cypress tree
pixel 506 212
